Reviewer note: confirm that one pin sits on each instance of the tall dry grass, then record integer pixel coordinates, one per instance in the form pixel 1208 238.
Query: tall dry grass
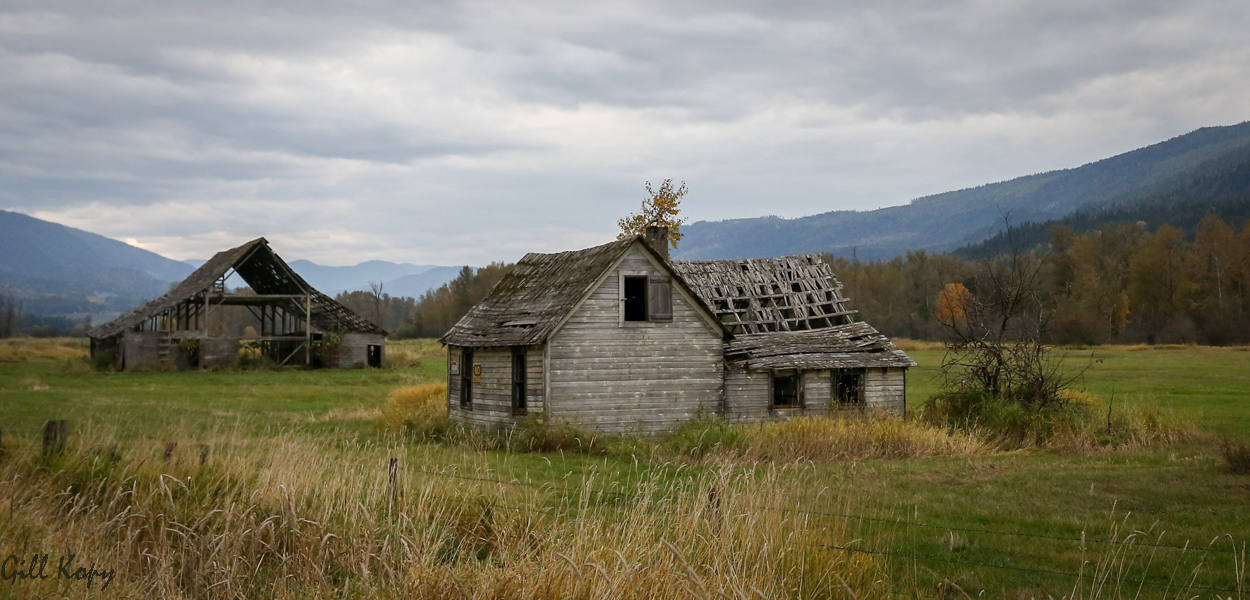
pixel 420 410
pixel 27 349
pixel 823 440
pixel 285 517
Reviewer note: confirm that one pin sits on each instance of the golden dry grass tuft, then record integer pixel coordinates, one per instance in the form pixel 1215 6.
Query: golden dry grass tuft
pixel 420 410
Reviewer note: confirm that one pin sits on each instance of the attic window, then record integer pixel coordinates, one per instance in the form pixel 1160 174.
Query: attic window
pixel 646 298
pixel 635 298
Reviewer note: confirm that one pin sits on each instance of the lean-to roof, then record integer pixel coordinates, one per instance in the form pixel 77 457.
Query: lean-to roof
pixel 531 301
pixel 849 346
pixel 264 271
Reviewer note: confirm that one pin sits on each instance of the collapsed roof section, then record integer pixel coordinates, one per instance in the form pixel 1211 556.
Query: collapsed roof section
pixel 765 295
pixel 264 272
pixel 848 346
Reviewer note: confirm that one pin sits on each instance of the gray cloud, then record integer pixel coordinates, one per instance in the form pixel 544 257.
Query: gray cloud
pixel 472 131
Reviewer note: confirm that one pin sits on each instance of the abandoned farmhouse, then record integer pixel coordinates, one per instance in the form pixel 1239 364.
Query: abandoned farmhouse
pixel 295 324
pixel 619 338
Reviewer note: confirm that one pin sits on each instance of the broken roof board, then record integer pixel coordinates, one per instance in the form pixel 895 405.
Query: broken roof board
pixel 762 295
pixel 853 345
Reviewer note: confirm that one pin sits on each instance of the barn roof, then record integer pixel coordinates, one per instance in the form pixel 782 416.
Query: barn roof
pixel 853 345
pixel 531 301
pixel 762 295
pixel 264 271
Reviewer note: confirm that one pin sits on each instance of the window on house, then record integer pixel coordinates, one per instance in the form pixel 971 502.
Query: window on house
pixel 848 386
pixel 635 298
pixel 466 378
pixel 646 298
pixel 786 389
pixel 519 406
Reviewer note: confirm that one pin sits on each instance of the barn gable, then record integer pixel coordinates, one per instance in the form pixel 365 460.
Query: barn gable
pixel 292 317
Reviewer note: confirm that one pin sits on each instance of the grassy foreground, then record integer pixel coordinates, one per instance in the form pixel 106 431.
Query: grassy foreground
pixel 294 497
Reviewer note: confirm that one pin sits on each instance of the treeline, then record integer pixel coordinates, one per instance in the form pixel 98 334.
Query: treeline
pixel 1119 283
pixel 438 309
pixel 380 308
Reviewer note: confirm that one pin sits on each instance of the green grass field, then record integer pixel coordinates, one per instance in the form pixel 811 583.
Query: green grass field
pixel 933 508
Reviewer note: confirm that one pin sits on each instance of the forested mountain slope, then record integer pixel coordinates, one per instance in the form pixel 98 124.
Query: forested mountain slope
pixel 954 219
pixel 56 269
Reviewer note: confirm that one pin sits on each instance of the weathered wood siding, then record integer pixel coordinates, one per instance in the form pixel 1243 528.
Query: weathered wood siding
pixel 492 398
pixel 634 376
pixel 747 396
pixel 885 390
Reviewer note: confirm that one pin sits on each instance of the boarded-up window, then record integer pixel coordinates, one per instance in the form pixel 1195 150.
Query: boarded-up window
pixel 787 389
pixel 519 406
pixel 848 386
pixel 466 378
pixel 660 298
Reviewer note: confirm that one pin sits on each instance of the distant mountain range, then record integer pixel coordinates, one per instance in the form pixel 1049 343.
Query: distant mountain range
pixel 59 270
pixel 56 270
pixel 948 221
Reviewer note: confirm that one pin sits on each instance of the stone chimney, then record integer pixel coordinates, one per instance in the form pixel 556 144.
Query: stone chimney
pixel 657 238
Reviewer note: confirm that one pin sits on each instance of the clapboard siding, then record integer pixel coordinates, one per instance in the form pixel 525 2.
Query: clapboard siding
pixel 884 393
pixel 633 377
pixel 492 398
pixel 747 401
pixel 885 390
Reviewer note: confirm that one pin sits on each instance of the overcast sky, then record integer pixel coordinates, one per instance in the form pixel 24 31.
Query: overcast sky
pixel 465 132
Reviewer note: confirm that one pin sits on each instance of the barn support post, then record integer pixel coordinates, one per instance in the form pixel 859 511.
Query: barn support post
pixel 308 330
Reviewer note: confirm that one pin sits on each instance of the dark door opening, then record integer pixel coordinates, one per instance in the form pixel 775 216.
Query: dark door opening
pixel 375 356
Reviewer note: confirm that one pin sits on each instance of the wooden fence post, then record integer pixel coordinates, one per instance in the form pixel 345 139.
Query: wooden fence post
pixel 51 433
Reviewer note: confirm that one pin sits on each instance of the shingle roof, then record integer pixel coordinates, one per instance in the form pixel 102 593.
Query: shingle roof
pixel 531 300
pixel 854 345
pixel 264 271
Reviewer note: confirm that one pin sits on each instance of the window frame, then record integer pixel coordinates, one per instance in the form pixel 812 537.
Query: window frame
pixel 835 388
pixel 643 298
pixel 520 379
pixel 651 281
pixel 797 375
pixel 466 378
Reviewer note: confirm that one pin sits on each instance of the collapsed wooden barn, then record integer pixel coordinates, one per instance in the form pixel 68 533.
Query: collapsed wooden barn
pixel 618 338
pixel 294 323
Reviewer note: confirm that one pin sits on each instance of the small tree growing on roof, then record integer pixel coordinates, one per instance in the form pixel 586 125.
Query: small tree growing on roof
pixel 659 208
